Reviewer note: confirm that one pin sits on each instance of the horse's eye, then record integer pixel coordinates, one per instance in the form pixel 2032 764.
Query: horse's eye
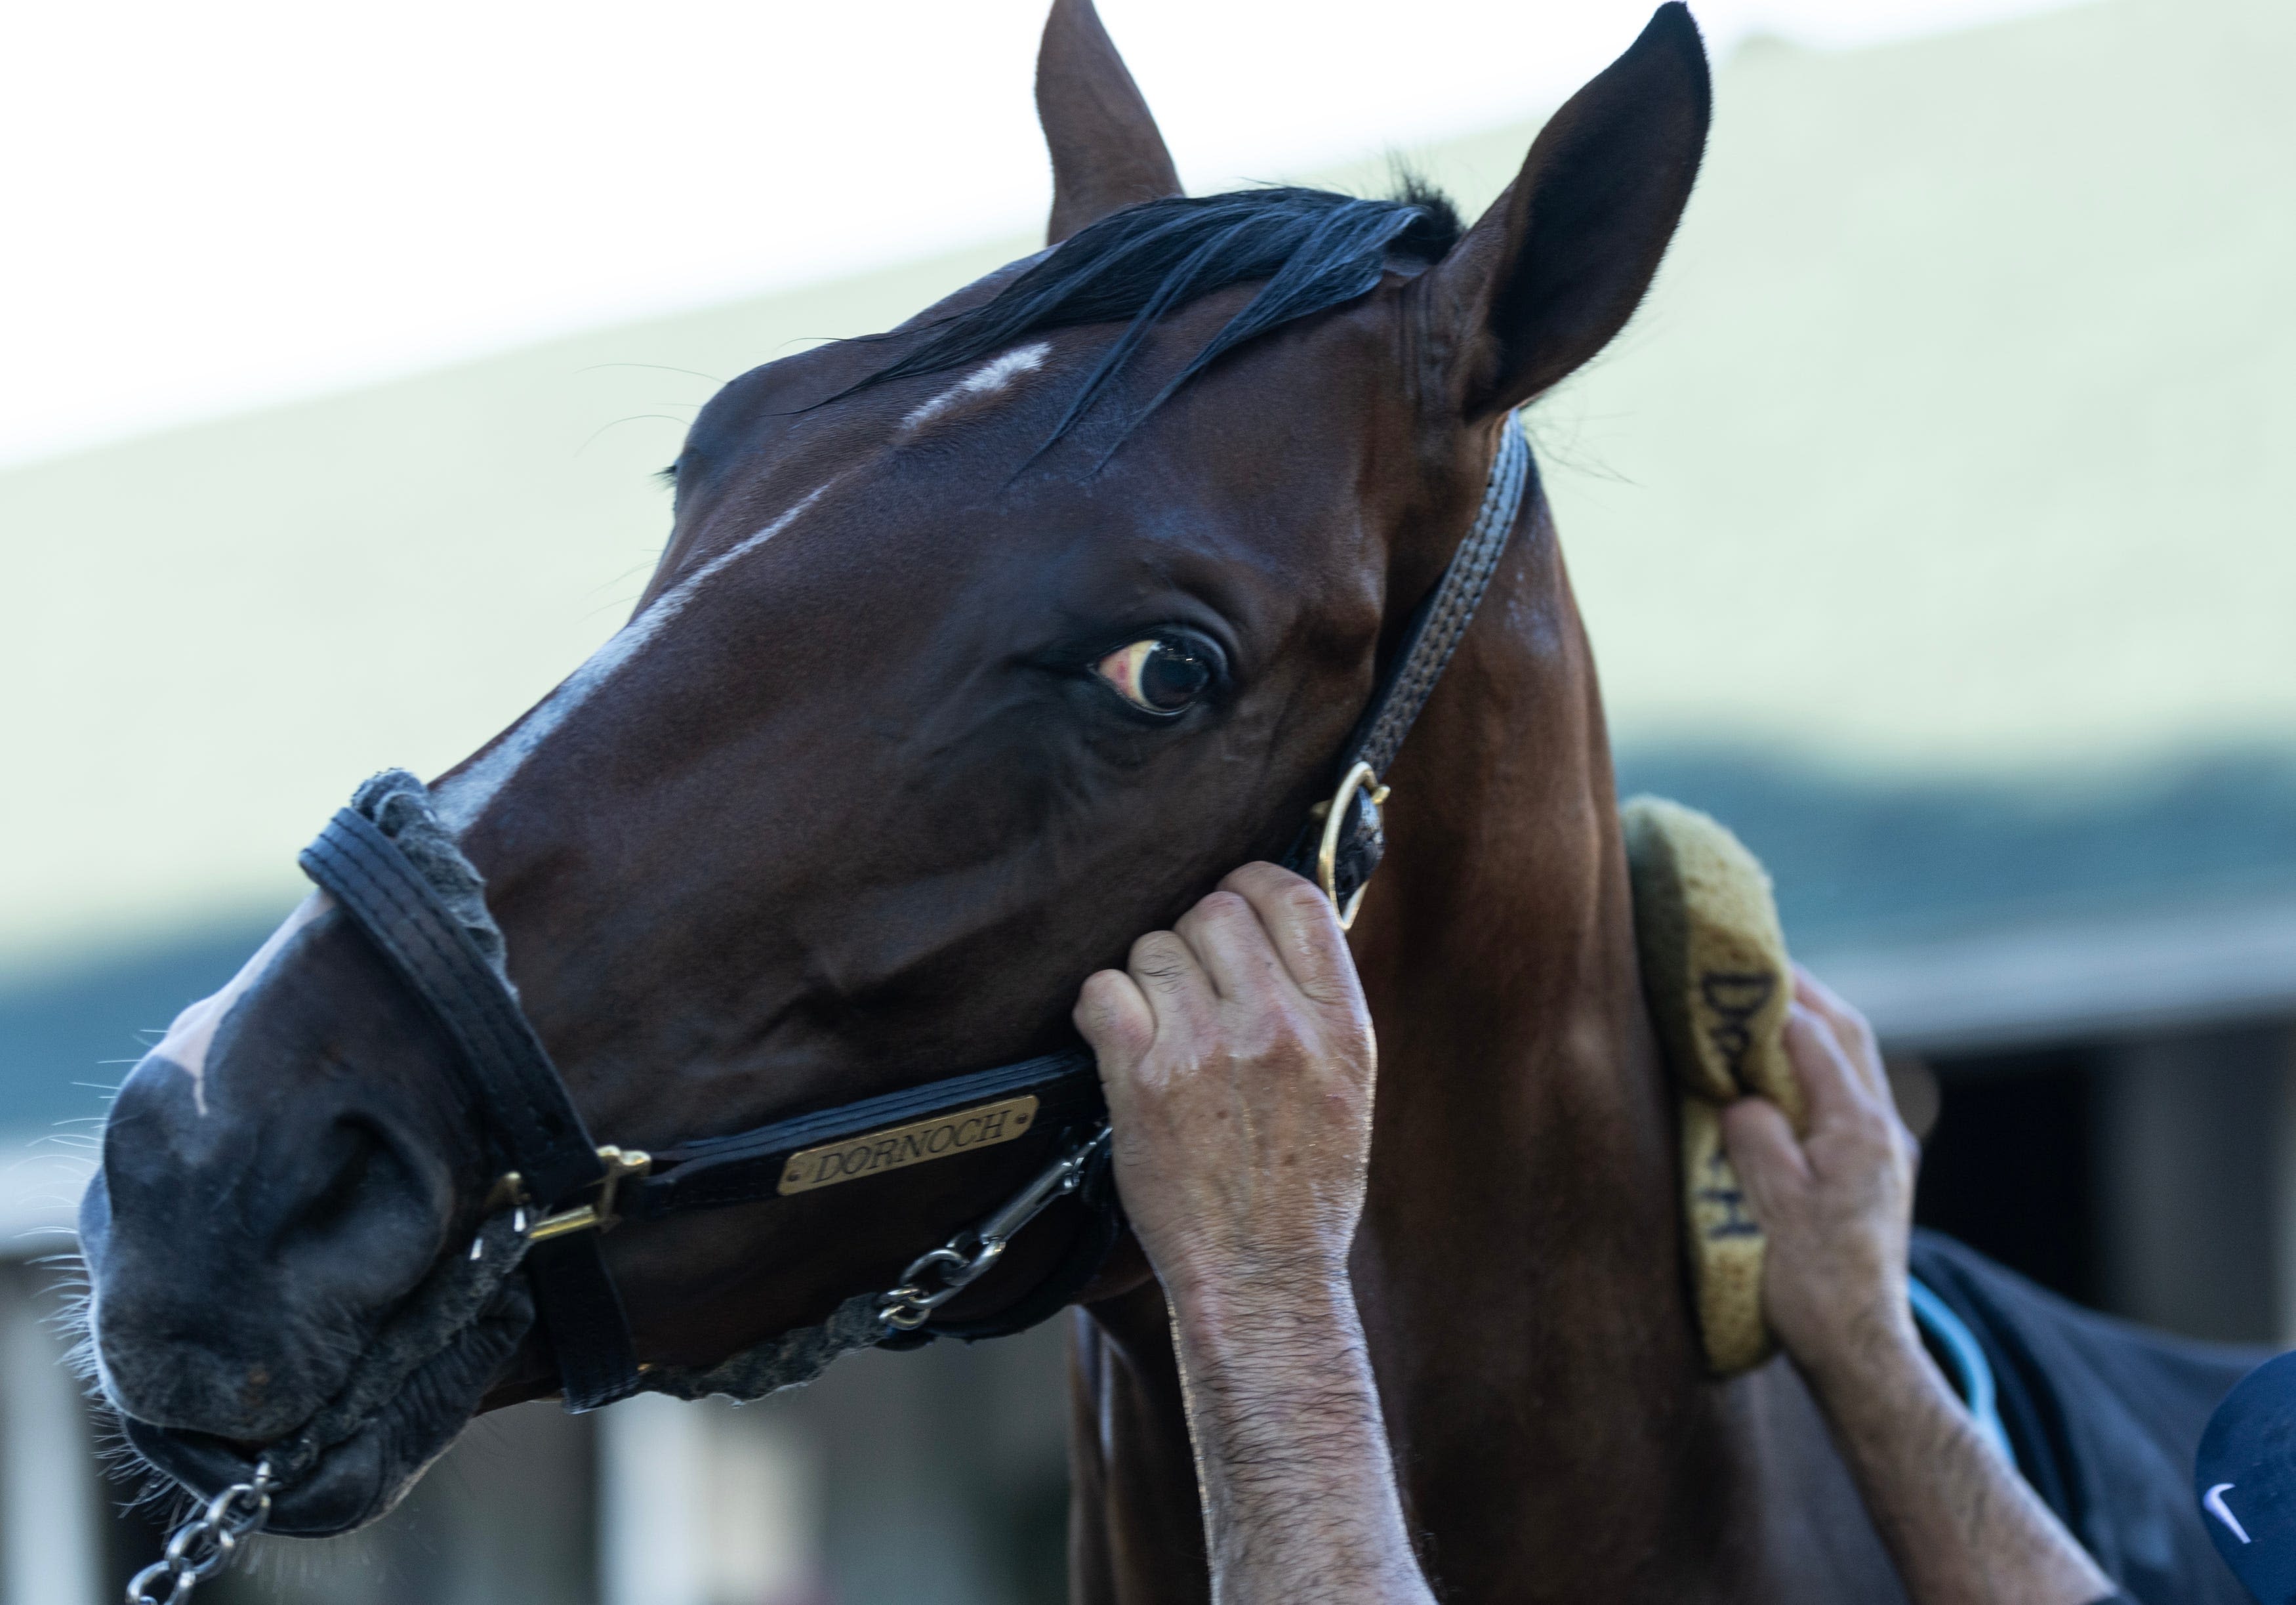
pixel 1156 676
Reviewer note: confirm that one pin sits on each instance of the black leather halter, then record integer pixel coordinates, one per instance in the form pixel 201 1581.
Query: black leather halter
pixel 571 1189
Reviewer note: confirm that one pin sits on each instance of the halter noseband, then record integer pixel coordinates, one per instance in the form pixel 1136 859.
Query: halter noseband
pixel 570 1189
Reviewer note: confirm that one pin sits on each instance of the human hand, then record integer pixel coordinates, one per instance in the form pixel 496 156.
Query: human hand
pixel 1237 1057
pixel 1836 1206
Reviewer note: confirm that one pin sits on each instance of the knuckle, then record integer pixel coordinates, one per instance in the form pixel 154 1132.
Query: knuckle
pixel 1854 1028
pixel 1875 1129
pixel 1297 896
pixel 1156 947
pixel 1222 906
pixel 1156 968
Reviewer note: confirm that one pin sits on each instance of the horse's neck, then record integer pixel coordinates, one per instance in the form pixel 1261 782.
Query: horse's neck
pixel 1519 1265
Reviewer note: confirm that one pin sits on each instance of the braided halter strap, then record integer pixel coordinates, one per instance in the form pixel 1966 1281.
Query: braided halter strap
pixel 1343 842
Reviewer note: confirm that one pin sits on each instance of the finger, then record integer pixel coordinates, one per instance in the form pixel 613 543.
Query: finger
pixel 1850 1028
pixel 1179 993
pixel 1817 994
pixel 1225 934
pixel 1305 931
pixel 1770 1164
pixel 1115 1022
pixel 1830 1083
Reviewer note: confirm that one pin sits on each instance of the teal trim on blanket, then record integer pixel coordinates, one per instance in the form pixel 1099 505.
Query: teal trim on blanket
pixel 1971 1372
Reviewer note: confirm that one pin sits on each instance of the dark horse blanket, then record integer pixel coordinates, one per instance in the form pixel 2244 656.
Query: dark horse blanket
pixel 2106 1418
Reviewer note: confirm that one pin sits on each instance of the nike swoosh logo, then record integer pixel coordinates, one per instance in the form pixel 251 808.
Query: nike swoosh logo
pixel 2213 1502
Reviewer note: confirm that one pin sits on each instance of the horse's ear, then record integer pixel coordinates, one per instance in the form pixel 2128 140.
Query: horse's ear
pixel 1559 263
pixel 1106 152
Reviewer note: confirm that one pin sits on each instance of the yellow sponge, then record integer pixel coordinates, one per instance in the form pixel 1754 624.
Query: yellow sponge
pixel 1717 979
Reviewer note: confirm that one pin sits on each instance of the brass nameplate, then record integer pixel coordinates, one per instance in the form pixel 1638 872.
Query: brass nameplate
pixel 911 1144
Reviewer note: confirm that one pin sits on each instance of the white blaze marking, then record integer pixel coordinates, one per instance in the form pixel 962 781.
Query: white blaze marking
pixel 991 376
pixel 2214 1499
pixel 188 1039
pixel 461 799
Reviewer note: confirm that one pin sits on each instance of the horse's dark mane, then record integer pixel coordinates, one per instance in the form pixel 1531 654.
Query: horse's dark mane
pixel 1315 249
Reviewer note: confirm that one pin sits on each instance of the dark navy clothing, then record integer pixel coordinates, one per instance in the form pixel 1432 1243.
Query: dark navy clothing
pixel 2105 1420
pixel 2245 1481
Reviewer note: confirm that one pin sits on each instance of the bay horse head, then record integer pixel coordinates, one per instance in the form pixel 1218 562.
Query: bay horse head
pixel 977 648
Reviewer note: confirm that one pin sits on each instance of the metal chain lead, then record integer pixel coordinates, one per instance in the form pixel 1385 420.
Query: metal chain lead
pixel 966 1257
pixel 199 1548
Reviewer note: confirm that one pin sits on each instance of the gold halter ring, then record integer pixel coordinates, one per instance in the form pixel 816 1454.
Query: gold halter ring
pixel 1334 815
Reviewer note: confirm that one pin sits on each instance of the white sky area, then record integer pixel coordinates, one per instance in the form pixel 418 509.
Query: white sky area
pixel 218 205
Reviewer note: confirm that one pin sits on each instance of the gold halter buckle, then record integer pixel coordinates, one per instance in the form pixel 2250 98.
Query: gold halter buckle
pixel 620 1163
pixel 1334 815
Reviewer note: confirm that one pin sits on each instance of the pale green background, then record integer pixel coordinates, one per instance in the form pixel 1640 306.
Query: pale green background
pixel 1951 447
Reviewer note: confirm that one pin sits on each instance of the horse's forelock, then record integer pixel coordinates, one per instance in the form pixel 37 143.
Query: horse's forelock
pixel 1309 250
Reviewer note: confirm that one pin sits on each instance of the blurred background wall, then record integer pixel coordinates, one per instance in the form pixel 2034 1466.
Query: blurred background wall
pixel 1934 525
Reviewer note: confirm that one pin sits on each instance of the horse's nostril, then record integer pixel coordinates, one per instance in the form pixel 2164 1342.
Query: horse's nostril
pixel 352 1174
pixel 360 1185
